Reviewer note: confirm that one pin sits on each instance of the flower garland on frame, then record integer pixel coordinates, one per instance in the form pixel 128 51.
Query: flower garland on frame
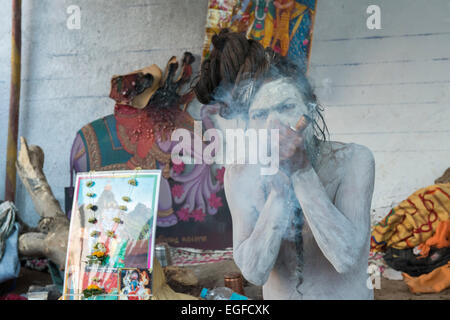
pixel 93 289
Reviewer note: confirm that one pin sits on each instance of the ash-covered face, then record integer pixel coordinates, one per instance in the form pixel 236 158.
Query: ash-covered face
pixel 277 100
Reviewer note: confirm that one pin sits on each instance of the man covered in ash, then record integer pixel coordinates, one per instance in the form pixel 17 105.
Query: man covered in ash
pixel 302 233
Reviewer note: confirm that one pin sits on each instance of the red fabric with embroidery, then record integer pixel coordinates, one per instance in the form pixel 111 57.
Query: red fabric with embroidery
pixel 139 129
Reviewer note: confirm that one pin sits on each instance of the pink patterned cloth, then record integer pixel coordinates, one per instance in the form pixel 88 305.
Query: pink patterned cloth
pixel 188 257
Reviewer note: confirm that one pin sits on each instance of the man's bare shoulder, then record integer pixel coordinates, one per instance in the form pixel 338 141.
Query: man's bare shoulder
pixel 356 166
pixel 343 164
pixel 362 156
pixel 344 154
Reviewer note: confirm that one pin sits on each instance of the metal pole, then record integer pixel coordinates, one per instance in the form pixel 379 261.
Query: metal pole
pixel 14 102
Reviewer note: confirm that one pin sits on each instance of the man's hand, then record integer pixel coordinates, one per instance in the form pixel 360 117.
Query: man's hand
pixel 292 147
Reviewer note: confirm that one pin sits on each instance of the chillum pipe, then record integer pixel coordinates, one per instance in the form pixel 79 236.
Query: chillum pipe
pixel 14 102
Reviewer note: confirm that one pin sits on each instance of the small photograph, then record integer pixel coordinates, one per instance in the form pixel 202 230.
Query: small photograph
pixel 135 284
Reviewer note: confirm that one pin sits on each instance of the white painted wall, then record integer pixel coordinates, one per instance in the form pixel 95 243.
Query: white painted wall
pixel 390 93
pixel 388 89
pixel 66 73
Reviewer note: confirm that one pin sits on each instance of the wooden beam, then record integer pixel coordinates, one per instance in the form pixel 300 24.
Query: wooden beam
pixel 14 103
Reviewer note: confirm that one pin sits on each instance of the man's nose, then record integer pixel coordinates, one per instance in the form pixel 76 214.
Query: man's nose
pixel 273 121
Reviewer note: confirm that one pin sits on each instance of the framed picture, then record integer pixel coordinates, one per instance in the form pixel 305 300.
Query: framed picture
pixel 112 230
pixel 135 284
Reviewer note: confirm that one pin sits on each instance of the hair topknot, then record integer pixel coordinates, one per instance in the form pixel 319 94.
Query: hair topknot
pixel 233 59
pixel 219 40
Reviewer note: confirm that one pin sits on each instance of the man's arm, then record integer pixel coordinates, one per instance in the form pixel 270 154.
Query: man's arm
pixel 341 229
pixel 257 234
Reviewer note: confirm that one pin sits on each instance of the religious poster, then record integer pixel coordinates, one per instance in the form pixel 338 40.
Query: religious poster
pixel 284 25
pixel 111 240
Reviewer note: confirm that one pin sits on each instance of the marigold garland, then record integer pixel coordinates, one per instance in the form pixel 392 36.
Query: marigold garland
pixel 93 290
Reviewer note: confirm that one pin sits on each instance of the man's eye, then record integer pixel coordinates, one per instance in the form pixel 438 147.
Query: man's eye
pixel 259 115
pixel 286 107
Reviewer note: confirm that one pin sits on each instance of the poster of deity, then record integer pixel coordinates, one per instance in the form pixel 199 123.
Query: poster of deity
pixel 112 228
pixel 284 25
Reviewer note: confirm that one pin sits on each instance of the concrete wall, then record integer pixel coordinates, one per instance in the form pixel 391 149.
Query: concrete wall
pixel 66 73
pixel 387 89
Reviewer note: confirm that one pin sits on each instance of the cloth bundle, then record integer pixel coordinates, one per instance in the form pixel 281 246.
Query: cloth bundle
pixel 9 233
pixel 414 220
pixel 415 239
pixel 7 219
pixel 413 265
pixel 436 250
pixel 441 239
pixel 435 281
